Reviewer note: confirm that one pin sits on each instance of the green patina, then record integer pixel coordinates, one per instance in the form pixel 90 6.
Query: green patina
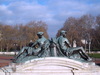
pixel 56 47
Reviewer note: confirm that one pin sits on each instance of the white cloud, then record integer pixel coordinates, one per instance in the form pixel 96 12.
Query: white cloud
pixel 25 11
pixel 4 10
pixel 54 12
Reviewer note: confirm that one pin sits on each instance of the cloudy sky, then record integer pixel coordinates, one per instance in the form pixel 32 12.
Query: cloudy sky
pixel 53 12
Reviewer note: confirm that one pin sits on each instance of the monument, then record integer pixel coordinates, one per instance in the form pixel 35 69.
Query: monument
pixel 53 56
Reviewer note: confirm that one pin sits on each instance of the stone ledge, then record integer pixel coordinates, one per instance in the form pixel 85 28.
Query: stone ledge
pixel 51 66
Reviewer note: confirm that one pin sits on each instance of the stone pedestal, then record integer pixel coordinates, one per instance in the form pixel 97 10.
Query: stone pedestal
pixel 51 66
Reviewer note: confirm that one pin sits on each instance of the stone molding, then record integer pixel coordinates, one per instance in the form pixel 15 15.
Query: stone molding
pixel 51 66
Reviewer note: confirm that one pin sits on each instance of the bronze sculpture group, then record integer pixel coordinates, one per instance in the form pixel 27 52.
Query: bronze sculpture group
pixel 56 47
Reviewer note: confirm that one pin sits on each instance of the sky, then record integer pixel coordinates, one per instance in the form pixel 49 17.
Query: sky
pixel 53 12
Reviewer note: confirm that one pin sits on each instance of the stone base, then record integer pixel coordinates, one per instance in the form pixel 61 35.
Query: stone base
pixel 51 66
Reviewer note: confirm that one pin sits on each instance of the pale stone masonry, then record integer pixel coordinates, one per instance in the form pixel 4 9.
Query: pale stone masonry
pixel 51 66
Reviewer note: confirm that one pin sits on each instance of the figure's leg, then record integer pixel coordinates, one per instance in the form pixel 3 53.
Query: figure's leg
pixel 21 57
pixel 85 54
pixel 81 51
pixel 20 52
pixel 36 51
pixel 65 52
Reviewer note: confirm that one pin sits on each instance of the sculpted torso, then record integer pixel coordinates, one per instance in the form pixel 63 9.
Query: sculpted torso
pixel 41 41
pixel 62 41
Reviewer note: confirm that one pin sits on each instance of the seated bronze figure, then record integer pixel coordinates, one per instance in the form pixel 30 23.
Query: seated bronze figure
pixel 59 47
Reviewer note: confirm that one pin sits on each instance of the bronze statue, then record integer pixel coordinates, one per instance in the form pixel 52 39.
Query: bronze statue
pixel 43 47
pixel 66 48
pixel 32 51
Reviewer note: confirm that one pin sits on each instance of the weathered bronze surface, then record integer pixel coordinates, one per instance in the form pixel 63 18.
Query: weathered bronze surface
pixel 56 47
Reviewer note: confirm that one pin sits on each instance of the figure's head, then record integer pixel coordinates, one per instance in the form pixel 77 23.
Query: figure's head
pixel 63 33
pixel 40 34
